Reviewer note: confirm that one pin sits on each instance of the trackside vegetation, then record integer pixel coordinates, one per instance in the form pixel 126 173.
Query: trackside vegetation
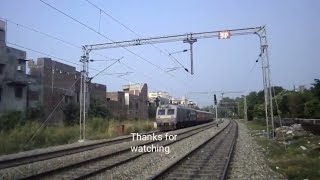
pixel 17 128
pixel 288 158
pixel 16 139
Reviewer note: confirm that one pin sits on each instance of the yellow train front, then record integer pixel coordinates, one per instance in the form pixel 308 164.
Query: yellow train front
pixel 170 117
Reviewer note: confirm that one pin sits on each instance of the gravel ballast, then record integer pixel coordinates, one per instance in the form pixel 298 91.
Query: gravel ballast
pixel 249 161
pixel 148 165
pixel 41 166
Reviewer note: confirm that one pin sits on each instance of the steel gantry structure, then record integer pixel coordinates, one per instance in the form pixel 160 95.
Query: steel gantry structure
pixel 190 38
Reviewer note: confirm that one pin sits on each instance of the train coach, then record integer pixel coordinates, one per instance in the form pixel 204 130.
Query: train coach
pixel 170 117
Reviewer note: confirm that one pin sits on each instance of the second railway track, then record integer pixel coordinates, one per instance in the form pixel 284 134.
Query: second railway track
pixel 209 161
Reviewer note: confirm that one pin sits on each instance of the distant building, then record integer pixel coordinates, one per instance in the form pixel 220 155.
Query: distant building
pixel 116 104
pixel 136 98
pixel 301 88
pixel 13 77
pixel 98 92
pixel 164 97
pixel 131 103
pixel 180 101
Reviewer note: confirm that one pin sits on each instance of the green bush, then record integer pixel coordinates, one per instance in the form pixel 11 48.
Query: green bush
pixel 98 110
pixel 10 120
pixel 18 139
pixel 35 113
pixel 71 114
pixel 312 109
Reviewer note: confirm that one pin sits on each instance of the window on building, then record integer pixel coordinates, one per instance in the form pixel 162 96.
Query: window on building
pixel 161 112
pixel 137 106
pixel 19 66
pixel 170 111
pixel 18 91
pixel 2 68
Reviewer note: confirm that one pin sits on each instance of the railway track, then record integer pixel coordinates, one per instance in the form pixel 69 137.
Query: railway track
pixel 90 167
pixel 31 158
pixel 208 161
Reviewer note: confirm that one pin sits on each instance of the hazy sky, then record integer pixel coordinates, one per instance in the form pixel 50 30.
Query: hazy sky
pixel 292 32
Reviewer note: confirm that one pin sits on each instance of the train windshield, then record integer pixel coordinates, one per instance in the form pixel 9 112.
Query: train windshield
pixel 161 112
pixel 170 112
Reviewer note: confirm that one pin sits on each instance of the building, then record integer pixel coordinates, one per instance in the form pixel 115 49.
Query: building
pixel 58 83
pixel 136 99
pixel 116 104
pixel 55 83
pixel 302 88
pixel 13 77
pixel 163 97
pixel 98 92
pixel 131 103
pixel 180 101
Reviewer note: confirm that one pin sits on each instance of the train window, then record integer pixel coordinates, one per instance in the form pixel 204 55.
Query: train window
pixel 161 112
pixel 170 111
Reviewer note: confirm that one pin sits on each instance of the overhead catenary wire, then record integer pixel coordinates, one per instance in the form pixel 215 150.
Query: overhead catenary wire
pixel 106 68
pixel 57 39
pixel 45 54
pixel 106 37
pixel 55 57
pixel 129 29
pixel 49 36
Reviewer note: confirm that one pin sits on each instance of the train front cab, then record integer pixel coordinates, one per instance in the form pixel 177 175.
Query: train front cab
pixel 166 117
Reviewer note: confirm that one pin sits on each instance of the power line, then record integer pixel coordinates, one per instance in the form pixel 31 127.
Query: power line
pixel 48 35
pixel 106 68
pixel 39 52
pixel 122 24
pixel 69 16
pixel 88 27
pixel 37 131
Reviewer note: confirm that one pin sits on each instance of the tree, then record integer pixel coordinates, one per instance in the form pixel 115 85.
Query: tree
pixel 312 109
pixel 97 109
pixel 283 106
pixel 316 88
pixel 296 104
pixel 10 120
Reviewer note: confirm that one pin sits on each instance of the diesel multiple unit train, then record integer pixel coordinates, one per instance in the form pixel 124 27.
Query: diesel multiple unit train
pixel 170 117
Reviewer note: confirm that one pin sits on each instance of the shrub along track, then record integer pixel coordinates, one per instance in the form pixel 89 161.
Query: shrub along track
pixel 208 161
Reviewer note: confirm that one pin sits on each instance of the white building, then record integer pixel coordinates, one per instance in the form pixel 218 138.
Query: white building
pixel 164 97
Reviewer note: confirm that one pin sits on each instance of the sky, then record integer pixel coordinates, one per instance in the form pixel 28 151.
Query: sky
pixel 219 65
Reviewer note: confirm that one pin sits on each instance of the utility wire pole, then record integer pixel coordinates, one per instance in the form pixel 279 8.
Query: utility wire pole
pixel 245 108
pixel 84 94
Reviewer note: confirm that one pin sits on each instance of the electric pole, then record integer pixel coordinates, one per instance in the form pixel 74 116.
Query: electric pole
pixel 245 108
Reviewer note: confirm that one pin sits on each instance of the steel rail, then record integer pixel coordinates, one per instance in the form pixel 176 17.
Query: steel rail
pixel 124 158
pixel 214 143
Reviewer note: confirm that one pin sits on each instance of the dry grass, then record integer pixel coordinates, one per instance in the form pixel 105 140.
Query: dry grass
pixel 15 140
